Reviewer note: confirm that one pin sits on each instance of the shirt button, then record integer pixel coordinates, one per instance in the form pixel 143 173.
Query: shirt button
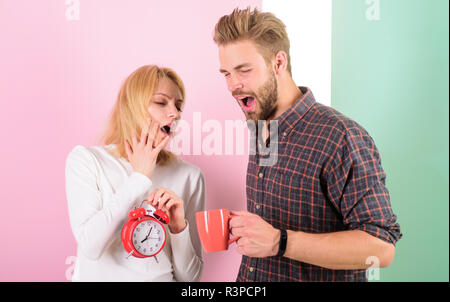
pixel 261 174
pixel 251 269
pixel 257 206
pixel 284 134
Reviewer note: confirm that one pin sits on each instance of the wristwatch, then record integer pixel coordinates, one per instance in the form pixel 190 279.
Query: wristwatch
pixel 283 243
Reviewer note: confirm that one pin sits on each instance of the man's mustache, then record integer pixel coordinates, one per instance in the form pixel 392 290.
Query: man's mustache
pixel 240 92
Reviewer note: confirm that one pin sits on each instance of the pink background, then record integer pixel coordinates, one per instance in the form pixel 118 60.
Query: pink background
pixel 58 82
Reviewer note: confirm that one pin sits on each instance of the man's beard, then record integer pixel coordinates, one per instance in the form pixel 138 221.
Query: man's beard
pixel 266 97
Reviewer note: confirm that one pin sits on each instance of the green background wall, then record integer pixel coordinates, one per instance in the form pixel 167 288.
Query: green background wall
pixel 391 76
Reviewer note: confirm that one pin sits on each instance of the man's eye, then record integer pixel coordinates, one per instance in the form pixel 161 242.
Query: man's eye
pixel 247 70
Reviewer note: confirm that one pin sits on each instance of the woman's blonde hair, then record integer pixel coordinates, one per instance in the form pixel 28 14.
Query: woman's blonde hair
pixel 130 113
pixel 264 29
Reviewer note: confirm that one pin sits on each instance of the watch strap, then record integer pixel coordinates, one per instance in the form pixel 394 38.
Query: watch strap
pixel 283 243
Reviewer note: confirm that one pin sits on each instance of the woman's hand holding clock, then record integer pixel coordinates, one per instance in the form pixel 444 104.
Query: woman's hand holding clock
pixel 166 200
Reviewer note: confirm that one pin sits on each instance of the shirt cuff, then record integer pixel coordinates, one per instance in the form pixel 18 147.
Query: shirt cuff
pixel 375 231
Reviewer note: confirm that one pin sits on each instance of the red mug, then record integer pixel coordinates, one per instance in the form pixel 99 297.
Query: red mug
pixel 213 229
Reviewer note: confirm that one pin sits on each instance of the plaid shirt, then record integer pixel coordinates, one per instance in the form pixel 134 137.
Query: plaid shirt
pixel 327 178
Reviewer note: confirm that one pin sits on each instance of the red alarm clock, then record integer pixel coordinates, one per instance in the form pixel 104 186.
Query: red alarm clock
pixel 144 235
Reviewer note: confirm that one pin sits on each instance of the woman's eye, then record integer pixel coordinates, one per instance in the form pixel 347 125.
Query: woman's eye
pixel 163 104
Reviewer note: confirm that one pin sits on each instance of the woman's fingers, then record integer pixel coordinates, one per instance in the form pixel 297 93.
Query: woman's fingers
pixel 133 139
pixel 128 149
pixel 155 195
pixel 144 133
pixel 152 133
pixel 171 202
pixel 140 151
pixel 151 197
pixel 163 200
pixel 162 144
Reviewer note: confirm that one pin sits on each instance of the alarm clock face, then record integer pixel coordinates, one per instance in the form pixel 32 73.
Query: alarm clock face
pixel 149 237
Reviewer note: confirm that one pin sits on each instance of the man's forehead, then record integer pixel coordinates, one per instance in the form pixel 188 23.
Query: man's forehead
pixel 238 55
pixel 240 48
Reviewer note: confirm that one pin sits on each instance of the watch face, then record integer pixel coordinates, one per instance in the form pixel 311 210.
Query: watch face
pixel 148 237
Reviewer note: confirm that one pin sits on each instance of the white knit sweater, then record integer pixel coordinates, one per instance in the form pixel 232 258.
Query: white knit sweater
pixel 100 192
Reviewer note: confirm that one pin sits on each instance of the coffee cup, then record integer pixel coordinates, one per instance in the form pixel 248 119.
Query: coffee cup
pixel 214 230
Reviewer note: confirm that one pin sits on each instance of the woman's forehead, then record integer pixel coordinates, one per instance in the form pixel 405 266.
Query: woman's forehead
pixel 166 87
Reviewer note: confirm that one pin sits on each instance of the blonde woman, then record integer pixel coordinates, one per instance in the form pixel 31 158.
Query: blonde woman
pixel 103 183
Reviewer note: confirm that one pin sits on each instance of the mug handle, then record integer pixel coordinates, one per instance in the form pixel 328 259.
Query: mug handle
pixel 235 238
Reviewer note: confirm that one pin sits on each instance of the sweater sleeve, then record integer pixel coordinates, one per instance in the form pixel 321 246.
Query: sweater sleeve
pixel 93 220
pixel 186 248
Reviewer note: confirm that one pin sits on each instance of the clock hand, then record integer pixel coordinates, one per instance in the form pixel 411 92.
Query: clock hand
pixel 149 232
pixel 149 238
pixel 147 235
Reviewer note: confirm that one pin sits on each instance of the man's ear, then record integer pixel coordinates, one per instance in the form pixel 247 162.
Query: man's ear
pixel 281 62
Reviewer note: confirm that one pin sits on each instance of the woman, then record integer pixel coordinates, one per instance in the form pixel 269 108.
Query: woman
pixel 103 183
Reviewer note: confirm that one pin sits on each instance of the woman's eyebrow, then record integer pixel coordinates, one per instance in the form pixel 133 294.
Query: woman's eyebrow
pixel 163 94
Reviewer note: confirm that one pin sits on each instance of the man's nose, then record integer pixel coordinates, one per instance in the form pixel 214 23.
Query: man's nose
pixel 234 84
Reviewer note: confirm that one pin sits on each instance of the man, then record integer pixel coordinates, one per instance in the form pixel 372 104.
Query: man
pixel 321 212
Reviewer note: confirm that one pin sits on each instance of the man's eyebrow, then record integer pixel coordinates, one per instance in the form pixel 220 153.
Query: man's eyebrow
pixel 236 67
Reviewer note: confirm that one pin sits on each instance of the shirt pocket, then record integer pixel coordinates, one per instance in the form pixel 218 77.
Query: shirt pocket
pixel 287 199
pixel 301 203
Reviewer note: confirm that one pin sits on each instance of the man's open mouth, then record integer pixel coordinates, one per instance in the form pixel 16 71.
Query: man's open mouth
pixel 248 103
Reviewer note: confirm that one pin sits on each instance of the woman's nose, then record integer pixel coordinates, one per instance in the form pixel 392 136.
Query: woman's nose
pixel 173 112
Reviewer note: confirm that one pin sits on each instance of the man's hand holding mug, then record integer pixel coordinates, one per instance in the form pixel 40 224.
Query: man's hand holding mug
pixel 257 237
pixel 254 236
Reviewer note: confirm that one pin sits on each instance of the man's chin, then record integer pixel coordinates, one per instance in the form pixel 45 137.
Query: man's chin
pixel 251 116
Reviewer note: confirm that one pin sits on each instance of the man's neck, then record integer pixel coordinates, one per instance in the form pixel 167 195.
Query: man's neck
pixel 288 94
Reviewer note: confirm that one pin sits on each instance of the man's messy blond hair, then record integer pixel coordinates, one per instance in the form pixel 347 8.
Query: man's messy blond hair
pixel 264 29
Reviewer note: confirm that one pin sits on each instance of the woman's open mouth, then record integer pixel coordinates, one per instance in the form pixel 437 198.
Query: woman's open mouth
pixel 248 103
pixel 166 129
